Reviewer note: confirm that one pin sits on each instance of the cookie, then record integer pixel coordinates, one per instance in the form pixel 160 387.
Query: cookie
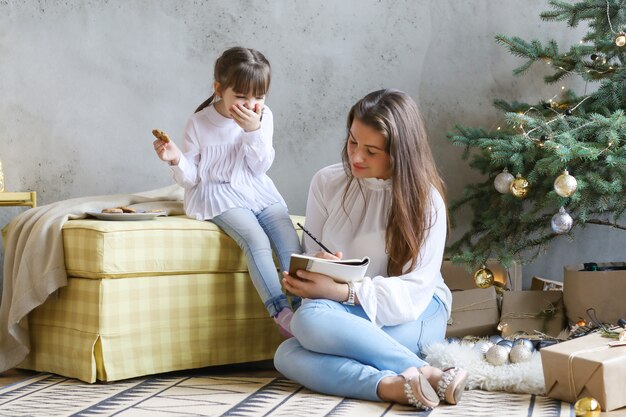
pixel 113 210
pixel 161 135
pixel 127 209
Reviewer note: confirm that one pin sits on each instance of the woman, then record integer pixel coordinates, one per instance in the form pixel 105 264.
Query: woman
pixel 363 339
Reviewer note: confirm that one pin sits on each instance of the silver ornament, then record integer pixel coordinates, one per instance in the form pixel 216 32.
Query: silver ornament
pixel 502 182
pixel 519 354
pixel 561 222
pixel 525 342
pixel 565 184
pixel 508 344
pixel 495 338
pixel 497 355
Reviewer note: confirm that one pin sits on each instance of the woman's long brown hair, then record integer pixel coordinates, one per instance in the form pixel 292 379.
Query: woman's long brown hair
pixel 244 69
pixel 395 115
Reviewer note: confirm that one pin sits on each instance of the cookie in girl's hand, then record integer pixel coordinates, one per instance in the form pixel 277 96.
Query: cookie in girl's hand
pixel 161 135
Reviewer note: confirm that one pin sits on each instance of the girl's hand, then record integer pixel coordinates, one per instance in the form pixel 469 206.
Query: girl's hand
pixel 248 120
pixel 167 151
pixel 314 285
pixel 325 255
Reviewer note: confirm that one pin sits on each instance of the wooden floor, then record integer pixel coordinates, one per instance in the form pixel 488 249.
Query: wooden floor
pixel 258 369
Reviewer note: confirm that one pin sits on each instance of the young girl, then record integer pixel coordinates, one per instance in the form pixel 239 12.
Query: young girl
pixel 227 152
pixel 385 201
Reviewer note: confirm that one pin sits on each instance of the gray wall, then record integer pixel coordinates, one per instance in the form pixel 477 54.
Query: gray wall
pixel 82 83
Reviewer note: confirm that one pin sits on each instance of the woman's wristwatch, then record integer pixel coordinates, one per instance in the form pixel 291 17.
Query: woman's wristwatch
pixel 351 295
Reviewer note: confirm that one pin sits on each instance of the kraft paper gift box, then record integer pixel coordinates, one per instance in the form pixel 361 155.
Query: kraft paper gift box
pixel 601 290
pixel 531 312
pixel 586 367
pixel 474 312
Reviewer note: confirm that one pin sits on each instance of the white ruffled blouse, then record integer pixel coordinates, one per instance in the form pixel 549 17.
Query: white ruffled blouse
pixel 224 167
pixel 358 229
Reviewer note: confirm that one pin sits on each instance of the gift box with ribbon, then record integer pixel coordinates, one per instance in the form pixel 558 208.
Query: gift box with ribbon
pixel 474 313
pixel 532 312
pixel 589 366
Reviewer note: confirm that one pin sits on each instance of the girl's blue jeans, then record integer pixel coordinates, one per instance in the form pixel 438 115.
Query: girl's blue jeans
pixel 257 233
pixel 338 351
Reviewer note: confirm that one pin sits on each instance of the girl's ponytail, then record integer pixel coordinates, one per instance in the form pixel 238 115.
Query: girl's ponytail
pixel 205 103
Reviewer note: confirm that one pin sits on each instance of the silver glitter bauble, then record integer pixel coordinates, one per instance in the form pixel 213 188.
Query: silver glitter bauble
pixel 519 354
pixel 565 184
pixel 525 342
pixel 561 222
pixel 497 355
pixel 502 182
pixel 483 346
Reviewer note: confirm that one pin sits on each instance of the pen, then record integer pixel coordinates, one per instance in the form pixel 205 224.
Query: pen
pixel 314 239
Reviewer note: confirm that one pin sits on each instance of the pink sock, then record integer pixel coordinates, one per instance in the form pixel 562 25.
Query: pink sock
pixel 283 320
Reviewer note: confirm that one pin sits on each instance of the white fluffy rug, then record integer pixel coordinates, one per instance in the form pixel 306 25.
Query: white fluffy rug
pixel 521 378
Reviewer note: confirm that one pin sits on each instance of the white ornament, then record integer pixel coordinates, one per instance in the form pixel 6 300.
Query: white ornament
pixel 497 355
pixel 483 346
pixel 562 222
pixel 502 182
pixel 519 354
pixel 565 184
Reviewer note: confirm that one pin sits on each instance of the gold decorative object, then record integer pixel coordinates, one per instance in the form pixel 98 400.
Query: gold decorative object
pixel 565 184
pixel 620 39
pixel 483 278
pixel 587 407
pixel 519 186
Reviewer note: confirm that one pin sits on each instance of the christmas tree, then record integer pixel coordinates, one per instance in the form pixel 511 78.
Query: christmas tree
pixel 557 164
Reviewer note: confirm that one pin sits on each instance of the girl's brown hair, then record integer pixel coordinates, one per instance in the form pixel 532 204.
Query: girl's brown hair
pixel 244 69
pixel 413 172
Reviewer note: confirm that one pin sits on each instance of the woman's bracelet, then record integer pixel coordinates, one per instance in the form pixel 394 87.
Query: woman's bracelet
pixel 351 295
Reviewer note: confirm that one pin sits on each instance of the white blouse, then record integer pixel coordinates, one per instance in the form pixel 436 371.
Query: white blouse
pixel 224 167
pixel 358 229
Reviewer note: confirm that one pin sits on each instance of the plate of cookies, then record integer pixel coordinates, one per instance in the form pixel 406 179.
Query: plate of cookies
pixel 126 213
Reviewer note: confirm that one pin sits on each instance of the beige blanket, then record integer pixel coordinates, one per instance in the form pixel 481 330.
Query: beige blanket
pixel 34 264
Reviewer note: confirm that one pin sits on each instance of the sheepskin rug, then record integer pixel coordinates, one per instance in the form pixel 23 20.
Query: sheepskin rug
pixel 519 378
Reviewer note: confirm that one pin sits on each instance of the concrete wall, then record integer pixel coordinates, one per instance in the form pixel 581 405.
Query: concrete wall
pixel 82 83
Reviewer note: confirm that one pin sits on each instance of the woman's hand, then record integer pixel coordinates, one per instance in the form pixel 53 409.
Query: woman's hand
pixel 167 151
pixel 248 120
pixel 314 285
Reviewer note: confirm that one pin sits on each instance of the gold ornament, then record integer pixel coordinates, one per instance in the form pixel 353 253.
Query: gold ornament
pixel 565 184
pixel 519 186
pixel 620 39
pixel 587 407
pixel 483 278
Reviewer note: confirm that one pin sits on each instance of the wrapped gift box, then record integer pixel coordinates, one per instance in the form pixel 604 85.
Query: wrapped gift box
pixel 474 312
pixel 586 367
pixel 531 312
pixel 601 290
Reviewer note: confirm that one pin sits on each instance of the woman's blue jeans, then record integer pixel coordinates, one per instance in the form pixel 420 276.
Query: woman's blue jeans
pixel 257 234
pixel 337 350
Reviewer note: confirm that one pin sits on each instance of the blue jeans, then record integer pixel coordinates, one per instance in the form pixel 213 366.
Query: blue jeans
pixel 257 234
pixel 337 350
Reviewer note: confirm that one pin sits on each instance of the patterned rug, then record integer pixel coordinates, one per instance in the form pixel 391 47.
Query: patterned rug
pixel 197 395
